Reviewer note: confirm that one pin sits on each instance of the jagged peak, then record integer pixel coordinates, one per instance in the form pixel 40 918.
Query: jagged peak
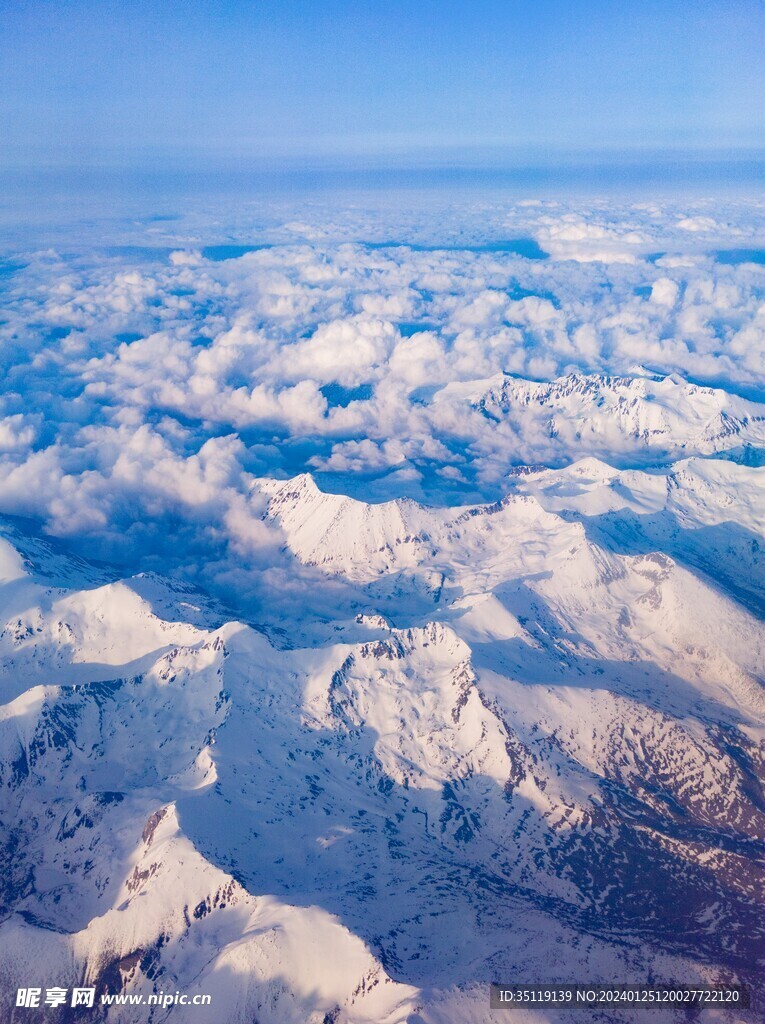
pixel 638 378
pixel 300 485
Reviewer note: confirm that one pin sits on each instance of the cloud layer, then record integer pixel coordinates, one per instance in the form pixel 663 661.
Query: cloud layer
pixel 144 386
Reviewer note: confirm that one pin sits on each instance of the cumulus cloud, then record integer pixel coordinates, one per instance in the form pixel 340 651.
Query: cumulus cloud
pixel 572 237
pixel 664 291
pixel 696 224
pixel 17 432
pixel 348 352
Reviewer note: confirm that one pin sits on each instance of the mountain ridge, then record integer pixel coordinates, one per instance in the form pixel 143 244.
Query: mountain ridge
pixel 533 733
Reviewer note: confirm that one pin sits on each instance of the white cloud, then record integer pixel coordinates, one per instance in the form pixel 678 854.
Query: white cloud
pixel 348 352
pixel 571 237
pixel 664 292
pixel 17 432
pixel 696 224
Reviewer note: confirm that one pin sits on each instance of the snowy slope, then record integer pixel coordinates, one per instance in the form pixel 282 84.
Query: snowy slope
pixel 639 416
pixel 542 727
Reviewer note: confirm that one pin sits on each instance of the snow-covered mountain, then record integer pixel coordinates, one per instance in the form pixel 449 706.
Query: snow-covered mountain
pixel 639 416
pixel 528 743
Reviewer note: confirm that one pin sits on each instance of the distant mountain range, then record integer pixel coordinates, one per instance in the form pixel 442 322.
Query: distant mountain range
pixel 640 417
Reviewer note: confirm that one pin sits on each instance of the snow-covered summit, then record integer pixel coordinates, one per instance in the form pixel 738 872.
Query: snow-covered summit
pixel 615 415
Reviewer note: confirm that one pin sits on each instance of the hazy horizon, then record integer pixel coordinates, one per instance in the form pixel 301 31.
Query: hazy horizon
pixel 271 82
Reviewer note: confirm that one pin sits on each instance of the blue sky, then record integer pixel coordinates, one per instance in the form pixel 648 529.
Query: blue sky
pixel 494 81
